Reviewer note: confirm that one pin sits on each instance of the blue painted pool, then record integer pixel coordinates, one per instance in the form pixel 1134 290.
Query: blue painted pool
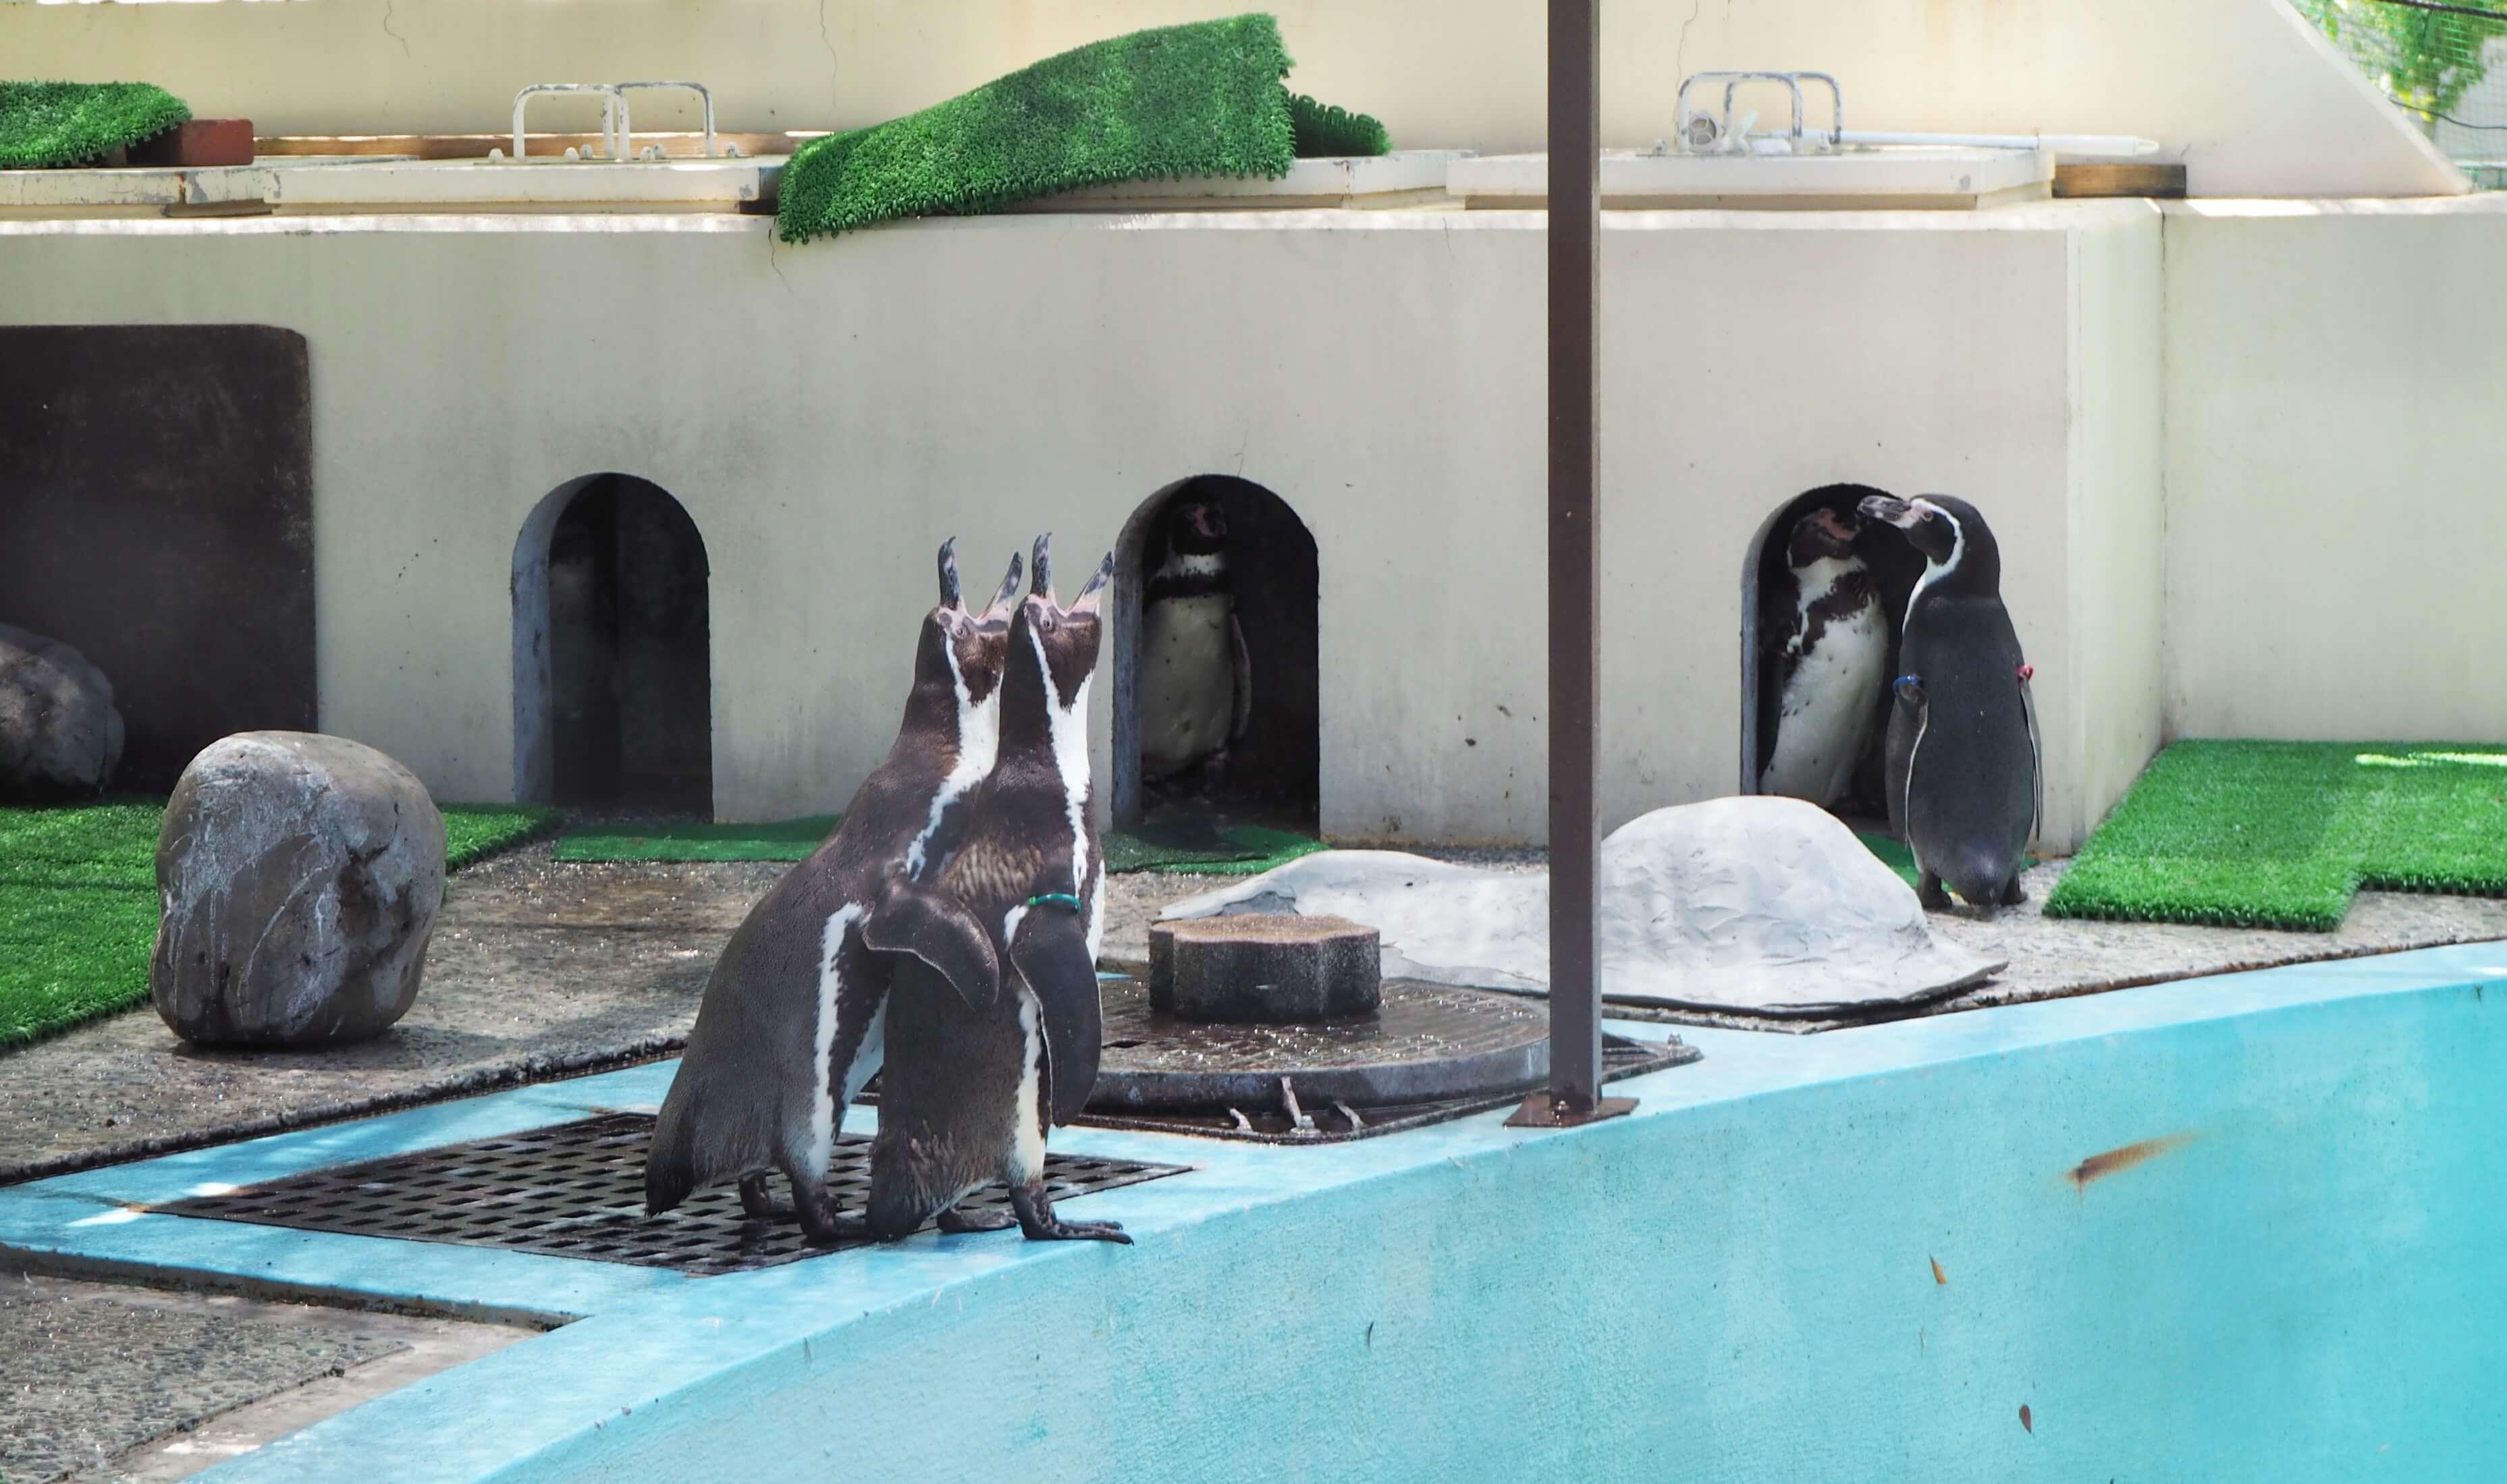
pixel 2248 1227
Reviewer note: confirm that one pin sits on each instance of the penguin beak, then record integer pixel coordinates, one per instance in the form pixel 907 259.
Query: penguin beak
pixel 1040 568
pixel 949 573
pixel 998 610
pixel 1894 512
pixel 1087 600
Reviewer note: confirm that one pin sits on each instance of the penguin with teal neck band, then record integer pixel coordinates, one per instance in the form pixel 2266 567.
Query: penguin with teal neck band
pixel 993 1022
pixel 791 1025
pixel 1965 777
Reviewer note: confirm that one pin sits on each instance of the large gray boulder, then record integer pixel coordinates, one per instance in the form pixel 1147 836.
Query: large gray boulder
pixel 59 734
pixel 1760 906
pixel 299 878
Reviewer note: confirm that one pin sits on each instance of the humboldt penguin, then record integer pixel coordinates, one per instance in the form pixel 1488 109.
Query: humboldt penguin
pixel 994 1024
pixel 1835 649
pixel 790 1026
pixel 1965 784
pixel 1196 683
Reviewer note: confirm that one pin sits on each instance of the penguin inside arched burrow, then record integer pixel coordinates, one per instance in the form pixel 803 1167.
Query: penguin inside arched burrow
pixel 1823 598
pixel 1215 656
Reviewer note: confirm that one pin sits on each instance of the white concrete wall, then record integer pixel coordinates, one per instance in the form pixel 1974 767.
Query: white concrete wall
pixel 2118 517
pixel 827 415
pixel 2244 90
pixel 2336 452
pixel 1748 358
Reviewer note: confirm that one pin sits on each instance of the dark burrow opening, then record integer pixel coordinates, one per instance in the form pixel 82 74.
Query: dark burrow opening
pixel 630 677
pixel 1191 752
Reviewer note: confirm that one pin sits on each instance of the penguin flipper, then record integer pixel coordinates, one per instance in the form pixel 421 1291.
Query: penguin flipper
pixel 1050 952
pixel 1244 678
pixel 2036 758
pixel 669 1160
pixel 1908 712
pixel 939 930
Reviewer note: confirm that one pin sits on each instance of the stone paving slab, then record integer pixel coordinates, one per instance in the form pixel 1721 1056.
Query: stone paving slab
pixel 103 1382
pixel 87 1379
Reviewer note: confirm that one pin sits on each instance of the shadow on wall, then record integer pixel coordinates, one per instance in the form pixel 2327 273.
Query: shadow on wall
pixel 612 652
pixel 1772 600
pixel 1269 772
pixel 156 513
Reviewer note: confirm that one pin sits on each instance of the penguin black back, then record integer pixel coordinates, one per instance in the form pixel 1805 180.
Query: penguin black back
pixel 1963 763
pixel 994 1024
pixel 790 1025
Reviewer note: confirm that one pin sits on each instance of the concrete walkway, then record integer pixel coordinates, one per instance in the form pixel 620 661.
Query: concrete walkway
pixel 544 969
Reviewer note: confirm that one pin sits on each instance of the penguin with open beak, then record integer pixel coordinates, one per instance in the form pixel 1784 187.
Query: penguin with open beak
pixel 1965 774
pixel 792 1021
pixel 993 1022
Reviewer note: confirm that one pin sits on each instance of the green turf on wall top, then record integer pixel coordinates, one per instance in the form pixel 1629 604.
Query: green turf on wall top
pixel 1198 100
pixel 2258 834
pixel 49 124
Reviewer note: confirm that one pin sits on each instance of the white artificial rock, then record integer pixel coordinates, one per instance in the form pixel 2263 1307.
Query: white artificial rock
pixel 1757 905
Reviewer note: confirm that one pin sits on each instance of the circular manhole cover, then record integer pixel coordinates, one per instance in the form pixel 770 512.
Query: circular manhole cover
pixel 1429 1041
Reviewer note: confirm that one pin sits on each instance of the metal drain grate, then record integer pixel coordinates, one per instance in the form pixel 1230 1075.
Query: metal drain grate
pixel 577 1190
pixel 1273 1120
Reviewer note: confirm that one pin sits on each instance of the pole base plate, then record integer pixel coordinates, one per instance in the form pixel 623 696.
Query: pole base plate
pixel 1540 1111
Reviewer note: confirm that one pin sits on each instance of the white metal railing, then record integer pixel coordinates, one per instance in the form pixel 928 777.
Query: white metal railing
pixel 617 129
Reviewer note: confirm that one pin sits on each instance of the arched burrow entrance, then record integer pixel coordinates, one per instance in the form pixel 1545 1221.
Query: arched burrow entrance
pixel 1770 598
pixel 614 686
pixel 1269 772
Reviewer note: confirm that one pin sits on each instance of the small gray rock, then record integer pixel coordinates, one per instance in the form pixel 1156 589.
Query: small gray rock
pixel 298 878
pixel 59 734
pixel 1270 969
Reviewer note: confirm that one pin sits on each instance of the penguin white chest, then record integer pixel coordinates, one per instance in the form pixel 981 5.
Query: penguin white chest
pixel 1829 709
pixel 1187 680
pixel 1027 1141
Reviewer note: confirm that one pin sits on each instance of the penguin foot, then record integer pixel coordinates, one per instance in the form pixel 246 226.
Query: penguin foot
pixel 1930 891
pixel 821 1223
pixel 2015 893
pixel 760 1206
pixel 1036 1221
pixel 956 1221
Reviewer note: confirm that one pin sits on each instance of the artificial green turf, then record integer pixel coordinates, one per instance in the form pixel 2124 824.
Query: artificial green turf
pixel 1198 100
pixel 1325 130
pixel 45 124
pixel 2258 834
pixel 1251 850
pixel 1893 852
pixel 78 902
pixel 473 832
pixel 774 840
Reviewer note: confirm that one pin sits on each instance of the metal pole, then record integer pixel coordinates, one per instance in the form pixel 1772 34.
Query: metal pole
pixel 1575 206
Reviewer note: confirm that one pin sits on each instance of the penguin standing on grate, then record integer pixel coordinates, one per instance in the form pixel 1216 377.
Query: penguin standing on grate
pixel 1196 680
pixel 1965 780
pixel 792 1021
pixel 993 1022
